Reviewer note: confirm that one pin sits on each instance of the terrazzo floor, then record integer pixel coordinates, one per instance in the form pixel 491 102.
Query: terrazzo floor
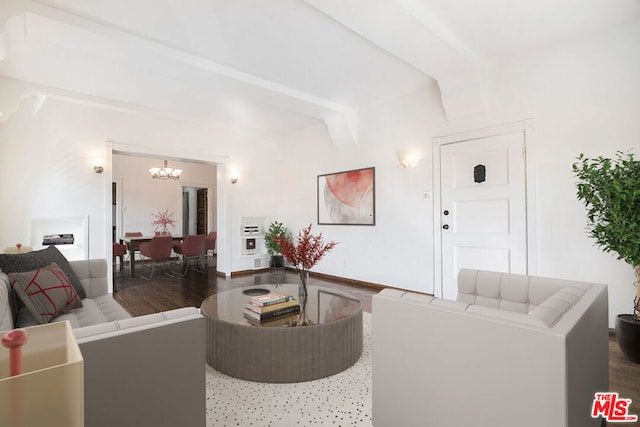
pixel 343 399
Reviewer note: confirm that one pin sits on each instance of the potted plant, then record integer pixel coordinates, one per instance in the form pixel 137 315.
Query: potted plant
pixel 610 190
pixel 271 241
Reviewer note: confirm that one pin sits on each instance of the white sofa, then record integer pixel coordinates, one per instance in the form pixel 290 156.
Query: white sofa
pixel 512 350
pixel 138 371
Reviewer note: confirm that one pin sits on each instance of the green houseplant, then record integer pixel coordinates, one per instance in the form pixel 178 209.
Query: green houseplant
pixel 610 190
pixel 271 241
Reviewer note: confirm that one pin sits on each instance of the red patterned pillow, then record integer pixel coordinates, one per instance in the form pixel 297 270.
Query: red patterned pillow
pixel 46 292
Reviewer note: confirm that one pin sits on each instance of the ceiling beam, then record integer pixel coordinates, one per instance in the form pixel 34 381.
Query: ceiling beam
pixel 408 30
pixel 113 64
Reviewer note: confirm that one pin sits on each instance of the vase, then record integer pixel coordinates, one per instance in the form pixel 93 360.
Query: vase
pixel 303 320
pixel 628 336
pixel 302 286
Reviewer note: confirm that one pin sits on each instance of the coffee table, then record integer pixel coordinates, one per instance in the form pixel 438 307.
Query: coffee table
pixel 283 354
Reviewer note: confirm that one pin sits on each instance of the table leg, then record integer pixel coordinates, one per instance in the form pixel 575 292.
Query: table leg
pixel 132 259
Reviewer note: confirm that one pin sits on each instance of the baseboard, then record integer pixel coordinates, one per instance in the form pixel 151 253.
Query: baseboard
pixel 343 280
pixel 330 278
pixel 246 272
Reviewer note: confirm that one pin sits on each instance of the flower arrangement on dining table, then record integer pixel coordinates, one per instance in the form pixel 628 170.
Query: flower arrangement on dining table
pixel 305 253
pixel 162 220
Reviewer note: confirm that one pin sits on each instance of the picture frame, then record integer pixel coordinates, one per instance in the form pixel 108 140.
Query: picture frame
pixel 347 197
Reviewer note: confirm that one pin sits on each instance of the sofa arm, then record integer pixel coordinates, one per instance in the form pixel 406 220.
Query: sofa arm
pixel 147 370
pixel 93 276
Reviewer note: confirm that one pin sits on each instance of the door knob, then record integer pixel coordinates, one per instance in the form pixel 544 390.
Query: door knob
pixel 446 212
pixel 446 226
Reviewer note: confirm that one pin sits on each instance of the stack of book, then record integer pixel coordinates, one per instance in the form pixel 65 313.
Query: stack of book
pixel 271 309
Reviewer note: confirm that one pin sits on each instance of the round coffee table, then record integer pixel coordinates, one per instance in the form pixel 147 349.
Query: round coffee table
pixel 278 353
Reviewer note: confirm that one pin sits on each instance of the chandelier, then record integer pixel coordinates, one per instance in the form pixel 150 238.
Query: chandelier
pixel 165 172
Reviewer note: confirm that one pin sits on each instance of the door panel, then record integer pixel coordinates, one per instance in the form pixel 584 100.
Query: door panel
pixel 492 259
pixel 201 212
pixel 483 203
pixel 481 216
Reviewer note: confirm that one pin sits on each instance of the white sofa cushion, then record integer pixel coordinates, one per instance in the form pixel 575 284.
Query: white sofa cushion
pixel 109 329
pixel 512 292
pixel 505 315
pixel 496 290
pixel 93 312
pixel 552 310
pixel 545 299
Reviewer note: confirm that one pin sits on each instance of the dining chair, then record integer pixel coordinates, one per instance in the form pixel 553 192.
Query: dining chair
pixel 118 251
pixel 210 244
pixel 192 247
pixel 158 250
pixel 136 247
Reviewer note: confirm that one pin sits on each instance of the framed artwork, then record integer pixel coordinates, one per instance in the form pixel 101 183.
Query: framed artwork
pixel 347 198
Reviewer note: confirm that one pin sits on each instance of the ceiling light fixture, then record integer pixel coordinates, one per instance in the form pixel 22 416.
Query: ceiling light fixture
pixel 165 173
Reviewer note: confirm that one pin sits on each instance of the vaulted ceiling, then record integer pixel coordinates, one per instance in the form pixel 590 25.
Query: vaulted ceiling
pixel 275 66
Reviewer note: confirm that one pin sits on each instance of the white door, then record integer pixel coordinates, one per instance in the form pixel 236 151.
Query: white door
pixel 483 211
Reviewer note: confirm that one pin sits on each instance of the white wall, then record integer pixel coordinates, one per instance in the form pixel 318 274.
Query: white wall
pixel 46 165
pixel 398 250
pixel 584 96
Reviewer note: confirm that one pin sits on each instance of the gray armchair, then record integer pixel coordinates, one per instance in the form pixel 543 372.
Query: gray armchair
pixel 512 350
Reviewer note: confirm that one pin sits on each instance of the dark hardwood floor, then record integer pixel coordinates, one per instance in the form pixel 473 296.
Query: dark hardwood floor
pixel 140 297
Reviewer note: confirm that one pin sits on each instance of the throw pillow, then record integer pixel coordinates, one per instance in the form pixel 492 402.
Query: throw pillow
pixel 46 292
pixel 18 263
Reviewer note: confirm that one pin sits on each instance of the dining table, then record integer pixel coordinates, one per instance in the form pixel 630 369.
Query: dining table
pixel 134 241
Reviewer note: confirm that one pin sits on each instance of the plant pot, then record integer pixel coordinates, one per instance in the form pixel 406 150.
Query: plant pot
pixel 277 261
pixel 628 336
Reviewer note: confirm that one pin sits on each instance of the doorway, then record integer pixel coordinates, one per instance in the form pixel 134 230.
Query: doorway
pixel 127 161
pixel 483 209
pixel 195 211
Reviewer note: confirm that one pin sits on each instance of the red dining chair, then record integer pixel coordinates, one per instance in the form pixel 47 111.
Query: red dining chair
pixel 158 250
pixel 192 247
pixel 210 244
pixel 118 251
pixel 136 247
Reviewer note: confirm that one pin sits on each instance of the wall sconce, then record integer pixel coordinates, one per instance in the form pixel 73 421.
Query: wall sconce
pixel 234 175
pixel 98 165
pixel 410 162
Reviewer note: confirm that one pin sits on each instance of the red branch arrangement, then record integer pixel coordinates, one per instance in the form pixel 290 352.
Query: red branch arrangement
pixel 307 252
pixel 162 219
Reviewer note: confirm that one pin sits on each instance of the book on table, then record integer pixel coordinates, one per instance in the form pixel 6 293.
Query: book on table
pixel 275 321
pixel 273 307
pixel 293 309
pixel 269 299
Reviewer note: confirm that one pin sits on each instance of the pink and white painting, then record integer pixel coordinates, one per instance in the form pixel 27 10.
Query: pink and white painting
pixel 347 197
